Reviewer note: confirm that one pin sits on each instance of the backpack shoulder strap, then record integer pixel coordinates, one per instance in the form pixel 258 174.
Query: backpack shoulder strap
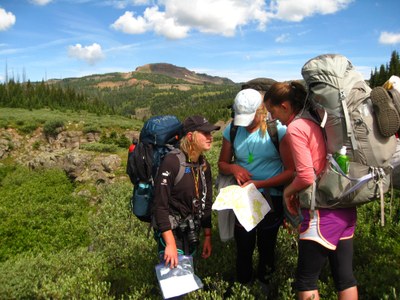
pixel 232 136
pixel 182 165
pixel 232 133
pixel 273 133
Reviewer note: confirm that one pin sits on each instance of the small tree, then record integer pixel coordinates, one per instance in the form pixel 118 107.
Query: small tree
pixel 378 78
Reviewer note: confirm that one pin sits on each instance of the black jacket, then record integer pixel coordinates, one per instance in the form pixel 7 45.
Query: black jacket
pixel 178 199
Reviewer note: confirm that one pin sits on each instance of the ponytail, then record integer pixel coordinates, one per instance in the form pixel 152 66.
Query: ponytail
pixel 294 92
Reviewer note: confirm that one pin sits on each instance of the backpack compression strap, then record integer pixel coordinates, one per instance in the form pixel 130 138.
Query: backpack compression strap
pixel 349 128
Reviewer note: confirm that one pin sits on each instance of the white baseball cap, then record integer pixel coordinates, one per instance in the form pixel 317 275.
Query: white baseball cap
pixel 246 103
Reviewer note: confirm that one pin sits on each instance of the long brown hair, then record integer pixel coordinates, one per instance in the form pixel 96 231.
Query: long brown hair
pixel 294 92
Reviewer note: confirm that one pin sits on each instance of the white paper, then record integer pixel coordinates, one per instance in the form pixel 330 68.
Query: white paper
pixel 248 204
pixel 178 285
pixel 179 280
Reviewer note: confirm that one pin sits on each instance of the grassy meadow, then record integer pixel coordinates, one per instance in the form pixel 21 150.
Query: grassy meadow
pixel 58 244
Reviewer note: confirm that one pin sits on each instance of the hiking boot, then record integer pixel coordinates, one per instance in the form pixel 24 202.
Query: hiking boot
pixel 385 111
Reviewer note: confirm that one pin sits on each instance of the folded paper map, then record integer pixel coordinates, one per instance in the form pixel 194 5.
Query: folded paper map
pixel 248 204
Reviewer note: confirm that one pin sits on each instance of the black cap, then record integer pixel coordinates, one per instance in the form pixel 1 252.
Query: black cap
pixel 198 123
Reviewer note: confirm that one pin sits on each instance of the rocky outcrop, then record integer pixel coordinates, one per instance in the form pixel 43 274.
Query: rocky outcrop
pixel 63 151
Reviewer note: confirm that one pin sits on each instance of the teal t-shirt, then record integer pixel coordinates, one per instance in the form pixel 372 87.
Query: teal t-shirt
pixel 257 153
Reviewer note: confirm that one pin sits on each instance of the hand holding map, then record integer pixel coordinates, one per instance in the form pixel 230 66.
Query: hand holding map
pixel 248 204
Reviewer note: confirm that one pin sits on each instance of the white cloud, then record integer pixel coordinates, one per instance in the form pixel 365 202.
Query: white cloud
pixel 127 23
pixel 389 38
pixel 41 2
pixel 174 19
pixel 297 10
pixel 7 19
pixel 121 4
pixel 222 17
pixel 164 25
pixel 90 54
pixel 152 20
pixel 283 38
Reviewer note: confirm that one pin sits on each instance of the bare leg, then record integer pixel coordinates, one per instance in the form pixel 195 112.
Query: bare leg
pixel 349 294
pixel 309 295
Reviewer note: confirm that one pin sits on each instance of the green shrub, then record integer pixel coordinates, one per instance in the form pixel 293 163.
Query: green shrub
pixel 6 169
pixel 114 139
pixel 99 147
pixel 53 127
pixel 87 128
pixel 28 128
pixel 123 142
pixel 36 145
pixel 124 242
pixel 39 214
pixel 76 274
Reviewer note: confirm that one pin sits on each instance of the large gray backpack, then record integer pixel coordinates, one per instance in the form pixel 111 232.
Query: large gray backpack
pixel 340 98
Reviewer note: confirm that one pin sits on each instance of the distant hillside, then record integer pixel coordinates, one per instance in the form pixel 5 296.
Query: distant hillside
pixel 161 74
pixel 155 89
pixel 151 89
pixel 182 73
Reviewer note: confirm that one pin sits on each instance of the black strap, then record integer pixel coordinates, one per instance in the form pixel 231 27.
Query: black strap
pixel 232 135
pixel 272 129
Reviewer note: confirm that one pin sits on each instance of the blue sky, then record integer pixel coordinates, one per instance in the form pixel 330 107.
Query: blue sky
pixel 238 39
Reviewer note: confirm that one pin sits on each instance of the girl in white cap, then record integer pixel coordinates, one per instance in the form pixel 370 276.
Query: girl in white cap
pixel 255 160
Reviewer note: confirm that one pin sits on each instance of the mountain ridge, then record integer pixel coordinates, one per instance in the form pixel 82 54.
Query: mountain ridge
pixel 152 73
pixel 182 73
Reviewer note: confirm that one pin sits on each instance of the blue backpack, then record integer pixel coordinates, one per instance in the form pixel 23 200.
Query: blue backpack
pixel 159 136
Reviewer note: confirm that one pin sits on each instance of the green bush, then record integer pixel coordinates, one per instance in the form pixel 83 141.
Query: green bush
pixel 99 147
pixel 123 240
pixel 38 213
pixel 26 127
pixel 53 127
pixel 123 142
pixel 6 169
pixel 115 139
pixel 76 274
pixel 36 145
pixel 87 128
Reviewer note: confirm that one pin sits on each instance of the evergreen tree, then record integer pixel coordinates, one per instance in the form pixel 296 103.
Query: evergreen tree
pixel 378 78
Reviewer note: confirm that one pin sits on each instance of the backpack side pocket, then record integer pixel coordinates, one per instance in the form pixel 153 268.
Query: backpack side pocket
pixel 332 183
